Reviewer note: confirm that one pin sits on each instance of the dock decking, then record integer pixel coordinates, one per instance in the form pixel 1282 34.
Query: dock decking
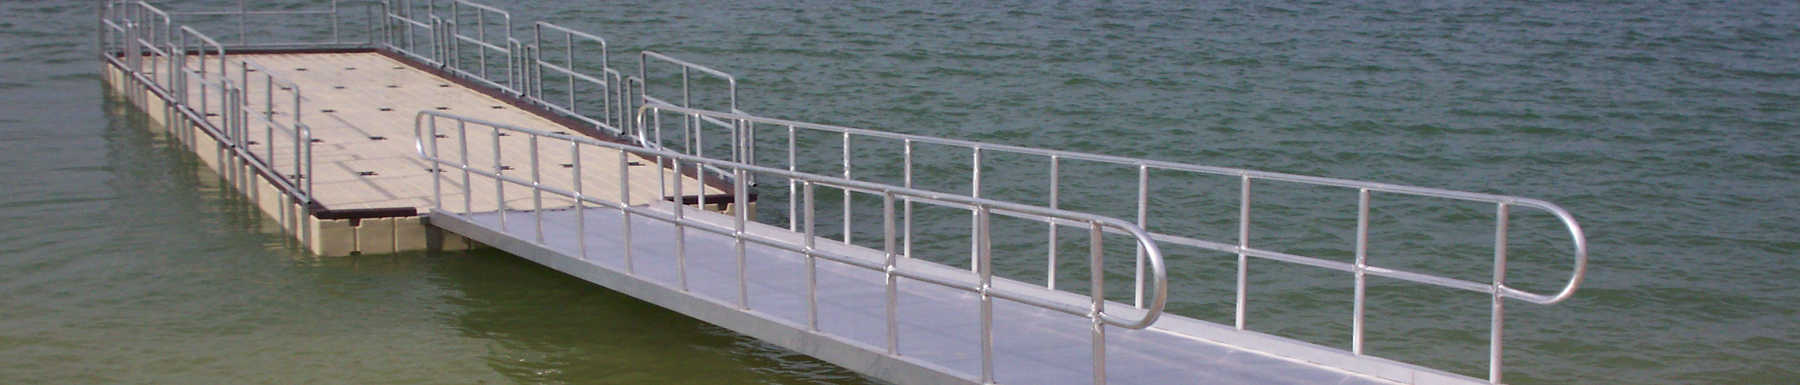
pixel 361 107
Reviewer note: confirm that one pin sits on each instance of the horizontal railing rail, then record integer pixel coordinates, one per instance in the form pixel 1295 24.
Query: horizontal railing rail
pixel 613 116
pixel 647 58
pixel 404 40
pixel 1360 268
pixel 301 177
pixel 239 19
pixel 980 281
pixel 503 47
pixel 692 126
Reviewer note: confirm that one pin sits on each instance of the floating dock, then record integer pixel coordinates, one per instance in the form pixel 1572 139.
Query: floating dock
pixel 431 126
pixel 365 185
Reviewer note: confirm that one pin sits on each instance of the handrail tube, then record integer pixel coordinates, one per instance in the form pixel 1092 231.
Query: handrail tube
pixel 611 116
pixel 603 54
pixel 255 13
pixel 332 20
pixel 684 63
pixel 483 44
pixel 1154 254
pixel 643 74
pixel 566 71
pixel 1574 228
pixel 408 20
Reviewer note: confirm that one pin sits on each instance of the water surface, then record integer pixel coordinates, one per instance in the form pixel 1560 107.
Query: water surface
pixel 1669 129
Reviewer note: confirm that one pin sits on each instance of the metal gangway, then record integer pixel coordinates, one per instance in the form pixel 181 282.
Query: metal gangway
pixel 885 311
pixel 887 307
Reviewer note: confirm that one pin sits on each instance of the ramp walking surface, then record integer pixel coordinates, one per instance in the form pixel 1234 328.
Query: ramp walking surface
pixel 938 327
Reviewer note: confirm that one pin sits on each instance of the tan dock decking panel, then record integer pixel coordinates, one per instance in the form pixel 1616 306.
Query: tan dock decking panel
pixel 361 108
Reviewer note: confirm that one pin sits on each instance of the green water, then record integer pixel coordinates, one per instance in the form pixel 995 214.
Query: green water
pixel 1668 129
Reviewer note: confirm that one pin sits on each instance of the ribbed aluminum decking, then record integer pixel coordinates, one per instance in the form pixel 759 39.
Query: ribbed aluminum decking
pixel 938 327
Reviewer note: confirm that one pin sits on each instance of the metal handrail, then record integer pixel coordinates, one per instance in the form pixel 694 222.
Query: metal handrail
pixel 646 57
pixel 302 136
pixel 1498 287
pixel 503 48
pixel 234 113
pixel 608 80
pixel 692 140
pixel 243 13
pixel 404 15
pixel 982 278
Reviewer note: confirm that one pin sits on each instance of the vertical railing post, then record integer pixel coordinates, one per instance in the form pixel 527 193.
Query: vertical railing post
pixel 906 216
pixel 1055 191
pixel 481 36
pixel 793 187
pixel 437 165
pixel 462 140
pixel 308 175
pixel 569 64
pixel 1143 217
pixel 812 277
pixel 499 183
pixel 1097 293
pixel 537 193
pixel 699 151
pixel 1243 266
pixel 269 114
pixel 741 215
pixel 334 22
pixel 974 215
pixel 887 248
pixel 625 207
pixel 985 268
pixel 1496 330
pixel 580 199
pixel 243 29
pixel 680 210
pixel 847 216
pixel 1362 265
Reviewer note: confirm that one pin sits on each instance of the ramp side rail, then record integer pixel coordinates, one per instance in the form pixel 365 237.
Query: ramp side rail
pixel 431 124
pixel 745 126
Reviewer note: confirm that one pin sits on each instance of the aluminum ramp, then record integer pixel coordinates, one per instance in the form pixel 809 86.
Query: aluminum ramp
pixel 938 336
